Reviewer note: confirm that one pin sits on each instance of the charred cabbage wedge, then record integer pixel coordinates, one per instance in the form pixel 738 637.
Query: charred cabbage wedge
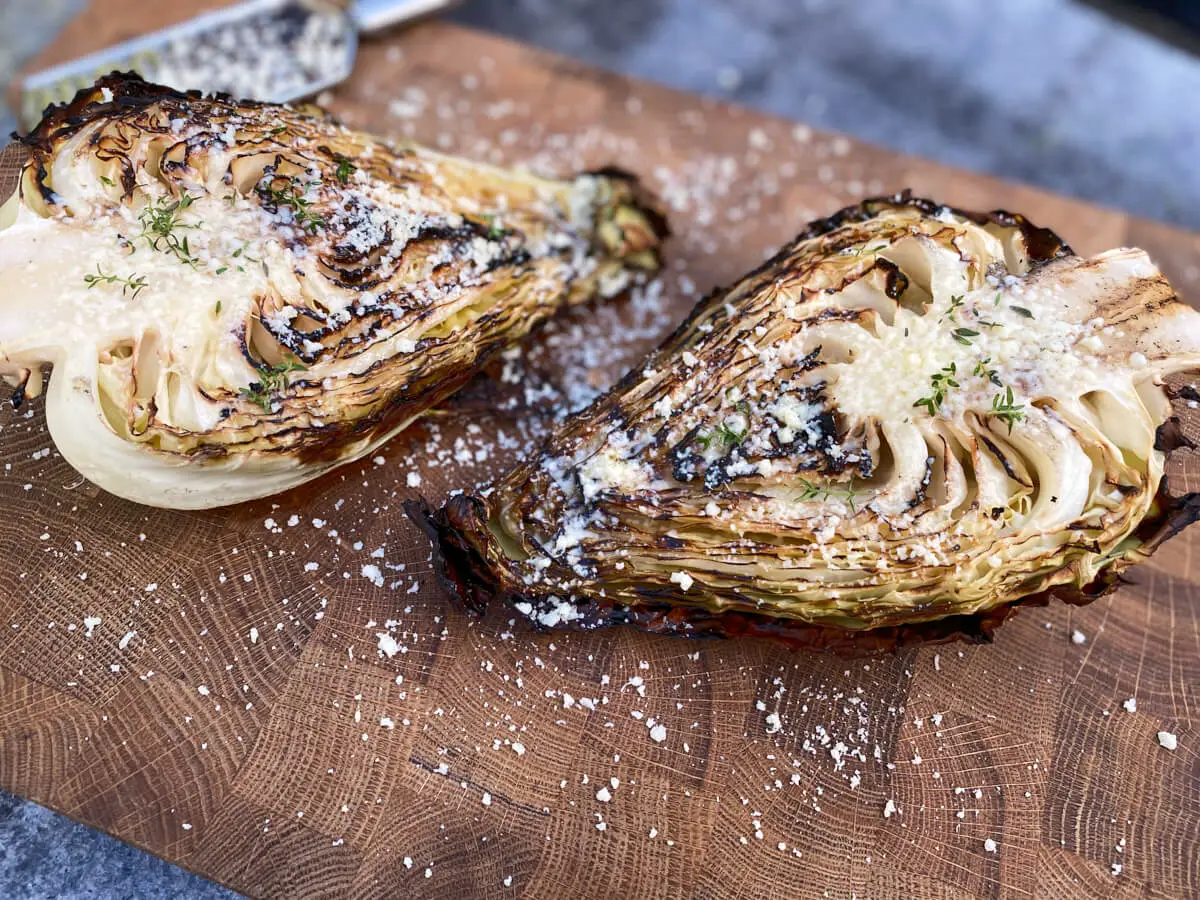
pixel 236 297
pixel 905 423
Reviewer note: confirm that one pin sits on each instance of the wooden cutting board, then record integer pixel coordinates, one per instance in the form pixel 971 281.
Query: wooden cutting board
pixel 213 687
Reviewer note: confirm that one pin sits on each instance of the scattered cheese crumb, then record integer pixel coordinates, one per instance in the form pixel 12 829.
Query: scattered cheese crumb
pixel 1130 704
pixel 889 809
pixel 387 644
pixel 658 733
pixel 989 845
pixel 683 579
pixel 1167 740
pixel 372 574
pixel 1078 637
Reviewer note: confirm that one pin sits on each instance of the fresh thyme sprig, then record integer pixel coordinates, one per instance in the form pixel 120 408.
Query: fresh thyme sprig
pixel 495 231
pixel 160 222
pixel 731 436
pixel 271 380
pixel 1005 409
pixel 956 302
pixel 941 382
pixel 292 195
pixel 814 491
pixel 344 170
pixel 134 282
pixel 982 371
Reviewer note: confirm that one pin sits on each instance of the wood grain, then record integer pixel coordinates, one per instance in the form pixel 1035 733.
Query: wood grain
pixel 258 758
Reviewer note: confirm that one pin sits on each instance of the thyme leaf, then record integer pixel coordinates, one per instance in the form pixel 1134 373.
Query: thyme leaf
pixel 1005 409
pixel 271 380
pixel 134 282
pixel 940 382
pixel 160 221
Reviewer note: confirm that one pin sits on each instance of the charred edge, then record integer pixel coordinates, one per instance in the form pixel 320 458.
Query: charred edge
pixel 130 94
pixel 641 197
pixel 1043 245
pixel 327 443
pixel 696 622
pixel 897 282
pixel 1170 437
pixel 469 578
pixel 1177 513
pixel 461 568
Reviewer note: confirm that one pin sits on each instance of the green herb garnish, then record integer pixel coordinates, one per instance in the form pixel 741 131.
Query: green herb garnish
pixel 1004 408
pixel 982 371
pixel 292 196
pixel 731 436
pixel 160 222
pixel 271 380
pixel 134 282
pixel 964 335
pixel 344 170
pixel 941 382
pixel 824 492
pixel 494 232
pixel 1022 311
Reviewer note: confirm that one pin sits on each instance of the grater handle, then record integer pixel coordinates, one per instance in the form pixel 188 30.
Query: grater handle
pixel 375 15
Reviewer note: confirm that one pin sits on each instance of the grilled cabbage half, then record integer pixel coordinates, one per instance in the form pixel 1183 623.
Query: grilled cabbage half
pixel 236 297
pixel 905 423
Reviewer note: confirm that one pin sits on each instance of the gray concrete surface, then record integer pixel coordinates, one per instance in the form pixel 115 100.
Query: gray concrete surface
pixel 1045 91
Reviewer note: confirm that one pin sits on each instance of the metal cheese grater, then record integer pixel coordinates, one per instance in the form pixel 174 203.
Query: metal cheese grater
pixel 272 50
